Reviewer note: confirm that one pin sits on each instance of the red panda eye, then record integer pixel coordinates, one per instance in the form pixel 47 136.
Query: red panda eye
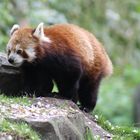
pixel 19 51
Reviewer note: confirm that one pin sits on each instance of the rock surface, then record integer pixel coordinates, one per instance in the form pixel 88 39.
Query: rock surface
pixel 7 136
pixel 10 77
pixel 53 119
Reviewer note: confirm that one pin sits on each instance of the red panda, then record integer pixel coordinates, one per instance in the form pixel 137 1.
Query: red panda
pixel 65 53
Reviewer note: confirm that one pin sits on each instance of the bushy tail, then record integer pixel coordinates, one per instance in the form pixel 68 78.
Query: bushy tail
pixel 108 68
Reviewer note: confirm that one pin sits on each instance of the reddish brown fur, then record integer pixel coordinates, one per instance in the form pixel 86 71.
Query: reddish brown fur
pixel 83 43
pixel 85 46
pixel 86 52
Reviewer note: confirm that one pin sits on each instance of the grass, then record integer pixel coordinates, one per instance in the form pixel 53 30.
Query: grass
pixel 16 100
pixel 119 132
pixel 18 129
pixel 88 135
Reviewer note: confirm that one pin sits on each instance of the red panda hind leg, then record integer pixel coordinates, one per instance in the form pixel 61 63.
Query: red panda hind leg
pixel 88 92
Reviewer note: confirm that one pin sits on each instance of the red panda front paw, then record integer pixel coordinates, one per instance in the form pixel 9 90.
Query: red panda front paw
pixel 84 109
pixel 57 95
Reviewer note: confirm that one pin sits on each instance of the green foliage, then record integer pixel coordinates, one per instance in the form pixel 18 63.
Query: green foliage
pixel 88 135
pixel 115 23
pixel 24 13
pixel 119 132
pixel 6 20
pixel 16 100
pixel 19 129
pixel 115 100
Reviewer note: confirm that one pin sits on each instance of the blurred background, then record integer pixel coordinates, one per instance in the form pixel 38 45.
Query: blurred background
pixel 115 23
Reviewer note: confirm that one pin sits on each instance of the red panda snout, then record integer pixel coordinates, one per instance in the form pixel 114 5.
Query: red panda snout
pixel 15 59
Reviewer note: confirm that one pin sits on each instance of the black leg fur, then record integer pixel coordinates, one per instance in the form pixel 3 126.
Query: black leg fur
pixel 66 71
pixel 87 92
pixel 36 81
pixel 68 85
pixel 68 90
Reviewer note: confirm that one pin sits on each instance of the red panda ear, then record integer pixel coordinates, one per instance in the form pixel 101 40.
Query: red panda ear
pixel 14 28
pixel 39 33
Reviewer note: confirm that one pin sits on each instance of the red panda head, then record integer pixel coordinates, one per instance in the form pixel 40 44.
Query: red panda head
pixel 23 43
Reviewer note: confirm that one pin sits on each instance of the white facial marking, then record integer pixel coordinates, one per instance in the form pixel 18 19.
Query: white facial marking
pixel 39 33
pixel 18 60
pixel 17 47
pixel 31 53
